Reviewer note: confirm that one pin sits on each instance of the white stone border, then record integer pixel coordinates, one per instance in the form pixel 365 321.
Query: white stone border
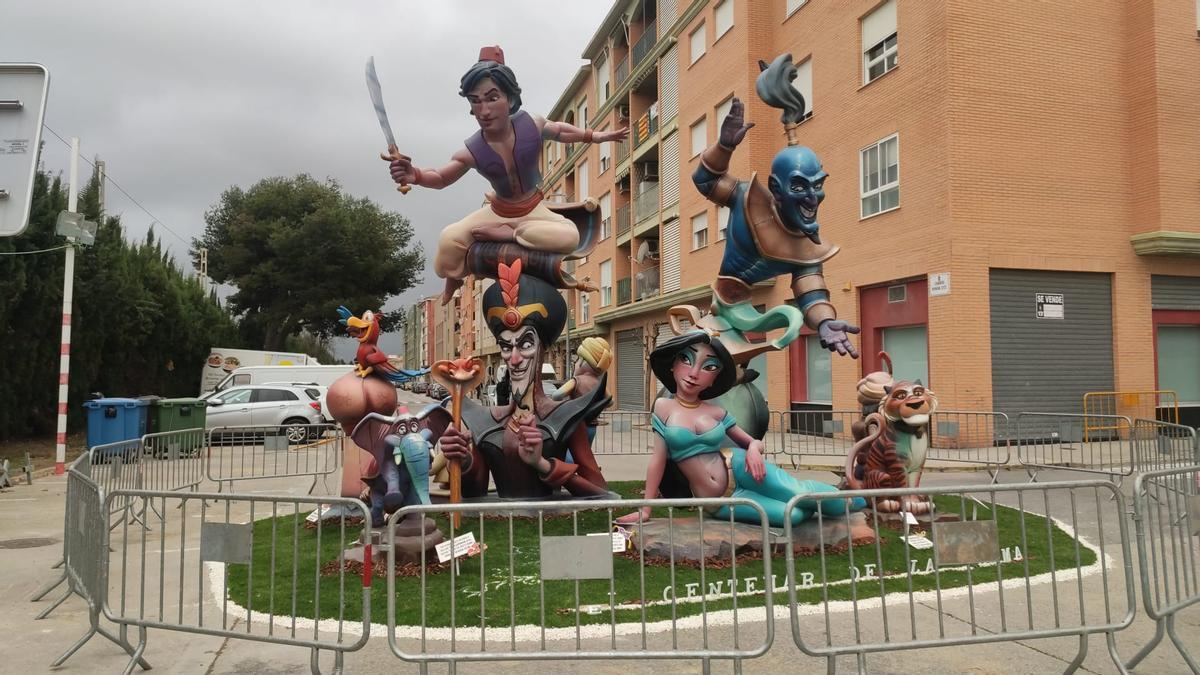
pixel 725 617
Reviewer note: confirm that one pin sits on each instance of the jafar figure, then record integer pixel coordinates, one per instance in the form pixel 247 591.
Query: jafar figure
pixel 523 446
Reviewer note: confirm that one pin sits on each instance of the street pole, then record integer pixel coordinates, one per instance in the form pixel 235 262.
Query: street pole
pixel 64 359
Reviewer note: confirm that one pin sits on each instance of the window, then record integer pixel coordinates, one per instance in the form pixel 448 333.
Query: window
pixel 818 373
pixel 699 136
pixel 605 216
pixel 606 283
pixel 696 42
pixel 722 18
pixel 585 307
pixel 880 168
pixel 236 396
pixel 803 84
pixel 793 5
pixel 879 41
pixel 581 181
pixel 909 349
pixel 603 81
pixel 273 395
pixel 1178 350
pixel 582 114
pixel 605 154
pixel 722 222
pixel 722 111
pixel 241 379
pixel 699 231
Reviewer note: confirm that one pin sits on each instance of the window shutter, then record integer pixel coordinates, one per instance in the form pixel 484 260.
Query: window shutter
pixel 669 249
pixel 669 170
pixel 668 84
pixel 879 24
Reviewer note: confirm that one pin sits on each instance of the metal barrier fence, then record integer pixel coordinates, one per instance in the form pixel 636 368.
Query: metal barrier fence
pixel 813 433
pixel 1024 578
pixel 1162 445
pixel 623 432
pixel 157 581
pixel 556 562
pixel 84 551
pixel 1130 404
pixel 254 452
pixel 978 438
pixel 1167 519
pixel 1059 441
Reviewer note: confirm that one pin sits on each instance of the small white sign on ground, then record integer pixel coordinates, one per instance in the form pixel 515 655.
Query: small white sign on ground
pixel 23 89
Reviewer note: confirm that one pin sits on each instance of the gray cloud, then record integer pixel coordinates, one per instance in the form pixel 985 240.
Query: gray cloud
pixel 185 99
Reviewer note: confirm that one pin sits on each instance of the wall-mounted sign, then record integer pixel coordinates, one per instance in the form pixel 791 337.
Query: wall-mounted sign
pixel 939 283
pixel 1048 305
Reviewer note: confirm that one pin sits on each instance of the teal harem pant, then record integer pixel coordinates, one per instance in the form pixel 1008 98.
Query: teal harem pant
pixel 775 491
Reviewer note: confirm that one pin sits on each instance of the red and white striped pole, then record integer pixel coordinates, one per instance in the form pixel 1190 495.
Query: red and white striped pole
pixel 64 359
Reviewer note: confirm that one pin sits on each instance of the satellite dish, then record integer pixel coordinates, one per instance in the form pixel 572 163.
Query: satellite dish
pixel 643 252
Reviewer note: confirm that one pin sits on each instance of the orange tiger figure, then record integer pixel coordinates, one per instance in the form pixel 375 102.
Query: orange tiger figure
pixel 892 453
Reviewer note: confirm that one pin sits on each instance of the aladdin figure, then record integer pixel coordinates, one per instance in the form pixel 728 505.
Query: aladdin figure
pixel 773 230
pixel 507 151
pixel 523 446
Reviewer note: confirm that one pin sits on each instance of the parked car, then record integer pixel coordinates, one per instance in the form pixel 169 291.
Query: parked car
pixel 294 409
pixel 437 391
pixel 419 387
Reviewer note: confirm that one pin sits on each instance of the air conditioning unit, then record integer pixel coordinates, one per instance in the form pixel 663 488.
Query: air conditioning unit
pixel 623 111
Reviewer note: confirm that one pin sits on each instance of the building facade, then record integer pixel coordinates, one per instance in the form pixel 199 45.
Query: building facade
pixel 1019 224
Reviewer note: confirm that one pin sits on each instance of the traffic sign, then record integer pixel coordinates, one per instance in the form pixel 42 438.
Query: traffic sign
pixel 23 89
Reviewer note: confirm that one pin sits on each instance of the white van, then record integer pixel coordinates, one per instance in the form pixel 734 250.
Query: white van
pixel 319 376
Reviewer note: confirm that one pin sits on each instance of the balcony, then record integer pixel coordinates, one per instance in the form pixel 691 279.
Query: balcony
pixel 646 205
pixel 646 282
pixel 623 291
pixel 623 220
pixel 646 127
pixel 622 72
pixel 622 152
pixel 645 43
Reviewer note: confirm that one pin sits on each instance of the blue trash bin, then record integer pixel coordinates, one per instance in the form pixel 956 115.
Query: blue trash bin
pixel 110 420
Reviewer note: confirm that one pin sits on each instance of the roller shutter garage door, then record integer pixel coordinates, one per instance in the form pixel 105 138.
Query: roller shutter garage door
pixel 631 370
pixel 1047 364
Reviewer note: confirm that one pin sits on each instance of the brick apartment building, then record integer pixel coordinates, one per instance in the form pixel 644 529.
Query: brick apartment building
pixel 1013 187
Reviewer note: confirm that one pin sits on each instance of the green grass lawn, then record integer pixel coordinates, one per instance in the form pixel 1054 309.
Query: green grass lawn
pixel 266 584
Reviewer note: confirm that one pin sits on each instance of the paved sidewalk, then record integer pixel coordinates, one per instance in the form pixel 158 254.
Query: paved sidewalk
pixel 37 511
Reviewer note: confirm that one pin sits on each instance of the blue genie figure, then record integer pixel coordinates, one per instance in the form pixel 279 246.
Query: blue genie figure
pixel 773 230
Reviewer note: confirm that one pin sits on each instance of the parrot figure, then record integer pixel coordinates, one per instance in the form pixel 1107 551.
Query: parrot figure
pixel 370 359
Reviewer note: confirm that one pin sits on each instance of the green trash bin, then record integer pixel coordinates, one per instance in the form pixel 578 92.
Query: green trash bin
pixel 181 414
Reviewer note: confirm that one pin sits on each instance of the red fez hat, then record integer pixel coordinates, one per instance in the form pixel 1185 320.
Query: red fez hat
pixel 492 53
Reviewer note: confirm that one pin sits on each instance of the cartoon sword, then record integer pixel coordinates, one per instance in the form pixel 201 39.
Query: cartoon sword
pixel 393 152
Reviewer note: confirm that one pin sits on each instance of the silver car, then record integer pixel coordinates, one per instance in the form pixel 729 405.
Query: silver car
pixel 295 410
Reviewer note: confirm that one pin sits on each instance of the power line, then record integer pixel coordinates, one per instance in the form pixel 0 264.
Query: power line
pixel 108 177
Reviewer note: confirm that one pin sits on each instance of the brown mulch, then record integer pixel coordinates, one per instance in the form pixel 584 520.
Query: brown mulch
pixel 380 569
pixel 336 522
pixel 710 562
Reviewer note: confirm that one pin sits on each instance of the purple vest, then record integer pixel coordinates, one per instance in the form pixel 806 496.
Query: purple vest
pixel 527 150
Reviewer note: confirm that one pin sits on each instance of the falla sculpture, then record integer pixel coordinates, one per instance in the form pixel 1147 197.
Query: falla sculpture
pixel 522 242
pixel 701 448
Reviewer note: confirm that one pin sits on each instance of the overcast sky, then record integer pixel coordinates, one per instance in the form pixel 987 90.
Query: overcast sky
pixel 185 99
